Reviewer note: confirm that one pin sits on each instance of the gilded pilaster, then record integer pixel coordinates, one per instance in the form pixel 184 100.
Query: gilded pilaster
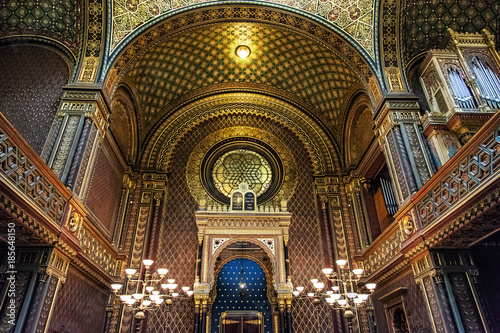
pixel 39 275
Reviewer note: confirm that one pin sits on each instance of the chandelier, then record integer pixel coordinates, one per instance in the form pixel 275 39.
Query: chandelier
pixel 147 295
pixel 344 295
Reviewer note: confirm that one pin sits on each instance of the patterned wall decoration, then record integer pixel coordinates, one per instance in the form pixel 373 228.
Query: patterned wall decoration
pixel 424 22
pixel 194 168
pixel 31 93
pixel 121 123
pixel 178 239
pixel 228 288
pixel 203 57
pixel 105 189
pixel 58 20
pixel 416 308
pixel 361 135
pixel 89 311
pixel 354 17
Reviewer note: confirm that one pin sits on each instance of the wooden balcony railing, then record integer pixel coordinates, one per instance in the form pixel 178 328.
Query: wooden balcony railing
pixel 458 183
pixel 33 195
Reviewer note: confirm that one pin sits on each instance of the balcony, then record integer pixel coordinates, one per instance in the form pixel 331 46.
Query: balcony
pixel 456 207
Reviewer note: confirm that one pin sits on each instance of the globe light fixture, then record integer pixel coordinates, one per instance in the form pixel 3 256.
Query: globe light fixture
pixel 242 51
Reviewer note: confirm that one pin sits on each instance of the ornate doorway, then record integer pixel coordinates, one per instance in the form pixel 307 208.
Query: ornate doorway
pixel 241 322
pixel 241 299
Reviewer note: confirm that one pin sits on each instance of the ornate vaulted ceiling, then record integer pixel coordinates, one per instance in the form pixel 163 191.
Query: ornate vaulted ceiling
pixel 58 20
pixel 353 17
pixel 425 22
pixel 202 59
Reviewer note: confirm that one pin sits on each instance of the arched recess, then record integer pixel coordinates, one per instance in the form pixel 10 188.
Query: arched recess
pixel 258 296
pixel 40 70
pixel 161 145
pixel 123 122
pixel 215 265
pixel 359 129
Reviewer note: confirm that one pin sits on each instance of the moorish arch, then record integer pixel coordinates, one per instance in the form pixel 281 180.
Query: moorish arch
pixel 322 151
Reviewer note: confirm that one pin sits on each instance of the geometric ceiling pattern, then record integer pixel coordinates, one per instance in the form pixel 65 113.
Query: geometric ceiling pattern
pixel 425 22
pixel 354 17
pixel 59 20
pixel 281 60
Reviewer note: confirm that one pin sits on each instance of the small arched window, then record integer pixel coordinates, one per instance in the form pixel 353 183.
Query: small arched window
pixel 462 93
pixel 488 83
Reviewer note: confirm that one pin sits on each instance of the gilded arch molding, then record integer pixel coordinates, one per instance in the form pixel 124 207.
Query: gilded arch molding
pixel 323 152
pixel 214 267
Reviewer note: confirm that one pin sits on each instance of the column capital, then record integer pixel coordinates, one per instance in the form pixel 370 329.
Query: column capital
pixel 394 111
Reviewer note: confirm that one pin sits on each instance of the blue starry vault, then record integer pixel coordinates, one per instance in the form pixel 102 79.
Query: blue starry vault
pixel 228 288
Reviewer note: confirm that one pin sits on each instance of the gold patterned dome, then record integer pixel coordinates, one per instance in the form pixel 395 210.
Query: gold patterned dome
pixel 202 60
pixel 241 166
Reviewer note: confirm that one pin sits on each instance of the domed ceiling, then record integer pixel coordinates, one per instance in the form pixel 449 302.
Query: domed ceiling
pixel 282 62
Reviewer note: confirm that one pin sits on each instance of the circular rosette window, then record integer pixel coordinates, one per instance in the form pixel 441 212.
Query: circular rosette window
pixel 242 160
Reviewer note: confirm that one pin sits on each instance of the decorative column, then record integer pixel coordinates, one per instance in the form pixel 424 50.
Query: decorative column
pixel 289 323
pixel 333 205
pixel 448 281
pixel 150 187
pixel 197 299
pixel 80 124
pixel 398 128
pixel 204 315
pixel 197 309
pixel 281 307
pixel 120 227
pixel 355 190
pixel 38 275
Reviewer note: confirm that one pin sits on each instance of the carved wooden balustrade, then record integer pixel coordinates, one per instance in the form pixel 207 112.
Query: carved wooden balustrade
pixel 45 209
pixel 448 210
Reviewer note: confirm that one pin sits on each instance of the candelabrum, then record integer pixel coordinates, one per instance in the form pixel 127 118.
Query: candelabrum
pixel 147 295
pixel 345 294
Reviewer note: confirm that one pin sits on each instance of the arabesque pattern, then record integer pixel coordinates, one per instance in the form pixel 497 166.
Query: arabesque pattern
pixel 58 20
pixel 355 17
pixel 425 22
